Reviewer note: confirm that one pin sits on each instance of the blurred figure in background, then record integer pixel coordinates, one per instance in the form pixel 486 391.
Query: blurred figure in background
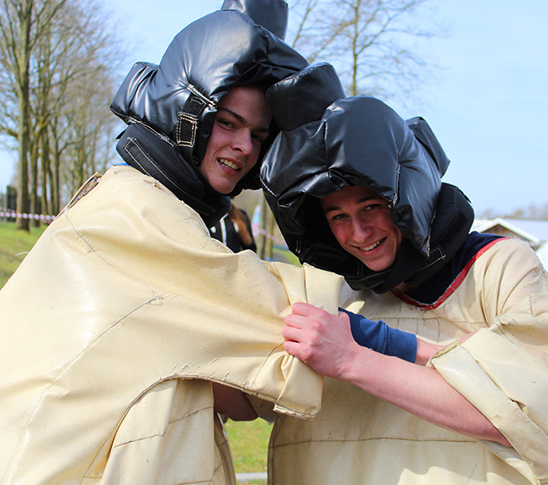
pixel 234 230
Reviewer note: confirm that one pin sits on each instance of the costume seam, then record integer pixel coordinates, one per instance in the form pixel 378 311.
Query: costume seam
pixel 252 383
pixel 304 442
pixel 161 435
pixel 136 144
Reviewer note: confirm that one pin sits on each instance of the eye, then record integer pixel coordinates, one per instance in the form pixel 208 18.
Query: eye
pixel 226 123
pixel 337 217
pixel 374 204
pixel 372 207
pixel 259 138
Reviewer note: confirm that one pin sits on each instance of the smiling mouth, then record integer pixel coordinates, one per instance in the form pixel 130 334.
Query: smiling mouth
pixel 373 246
pixel 229 164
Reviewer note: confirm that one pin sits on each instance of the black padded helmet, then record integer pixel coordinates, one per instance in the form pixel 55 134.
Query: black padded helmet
pixel 237 45
pixel 360 141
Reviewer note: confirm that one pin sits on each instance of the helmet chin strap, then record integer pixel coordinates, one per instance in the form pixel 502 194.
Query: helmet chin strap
pixel 187 123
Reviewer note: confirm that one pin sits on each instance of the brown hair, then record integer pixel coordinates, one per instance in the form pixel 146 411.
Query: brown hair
pixel 239 220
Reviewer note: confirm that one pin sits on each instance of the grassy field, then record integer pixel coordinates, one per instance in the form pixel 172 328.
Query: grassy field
pixel 14 245
pixel 249 445
pixel 248 440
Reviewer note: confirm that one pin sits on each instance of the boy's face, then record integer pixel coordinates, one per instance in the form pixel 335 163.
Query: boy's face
pixel 362 224
pixel 241 126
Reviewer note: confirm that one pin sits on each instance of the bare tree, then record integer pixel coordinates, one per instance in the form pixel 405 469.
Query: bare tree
pixel 87 57
pixel 88 135
pixel 56 56
pixel 15 27
pixel 370 42
pixel 537 212
pixel 533 212
pixel 22 22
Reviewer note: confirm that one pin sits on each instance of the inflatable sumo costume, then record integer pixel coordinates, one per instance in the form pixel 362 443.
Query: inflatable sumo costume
pixel 126 310
pixel 463 283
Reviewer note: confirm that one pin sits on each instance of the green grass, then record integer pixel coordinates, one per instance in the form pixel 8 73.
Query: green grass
pixel 14 245
pixel 286 256
pixel 248 440
pixel 249 445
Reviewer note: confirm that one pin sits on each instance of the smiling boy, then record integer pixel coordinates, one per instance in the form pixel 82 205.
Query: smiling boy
pixel 357 190
pixel 126 316
pixel 241 126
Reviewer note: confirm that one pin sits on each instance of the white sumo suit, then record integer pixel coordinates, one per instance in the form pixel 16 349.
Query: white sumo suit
pixel 103 353
pixel 502 369
pixel 457 283
pixel 126 310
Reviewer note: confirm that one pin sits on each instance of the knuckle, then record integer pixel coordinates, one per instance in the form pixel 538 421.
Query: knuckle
pixel 306 354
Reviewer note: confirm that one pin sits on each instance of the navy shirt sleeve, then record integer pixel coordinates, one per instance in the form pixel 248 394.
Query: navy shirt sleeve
pixel 379 337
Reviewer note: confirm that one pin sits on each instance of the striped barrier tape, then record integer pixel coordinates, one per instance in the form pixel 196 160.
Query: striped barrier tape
pixel 13 214
pixel 262 232
pixel 45 218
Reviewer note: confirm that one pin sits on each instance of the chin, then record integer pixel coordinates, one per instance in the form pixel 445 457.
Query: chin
pixel 222 191
pixel 223 188
pixel 377 265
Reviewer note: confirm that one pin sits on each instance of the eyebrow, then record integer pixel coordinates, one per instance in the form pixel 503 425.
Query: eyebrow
pixel 333 208
pixel 242 120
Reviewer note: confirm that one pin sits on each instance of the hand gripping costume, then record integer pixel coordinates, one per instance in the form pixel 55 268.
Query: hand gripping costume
pixel 464 283
pixel 125 310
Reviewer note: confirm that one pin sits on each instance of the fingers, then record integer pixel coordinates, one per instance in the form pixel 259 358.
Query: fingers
pixel 291 332
pixel 304 313
pixel 317 338
pixel 313 312
pixel 293 348
pixel 308 323
pixel 301 329
pixel 303 351
pixel 307 310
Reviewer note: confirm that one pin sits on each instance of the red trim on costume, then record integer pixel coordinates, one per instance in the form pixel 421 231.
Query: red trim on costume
pixel 452 288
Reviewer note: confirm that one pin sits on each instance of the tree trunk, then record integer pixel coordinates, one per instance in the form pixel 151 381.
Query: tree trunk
pixel 25 14
pixel 34 207
pixel 46 171
pixel 55 176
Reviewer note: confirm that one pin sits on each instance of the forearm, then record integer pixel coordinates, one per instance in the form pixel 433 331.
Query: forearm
pixel 419 390
pixel 232 403
pixel 325 343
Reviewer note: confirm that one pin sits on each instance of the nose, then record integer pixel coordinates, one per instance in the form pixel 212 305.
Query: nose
pixel 243 142
pixel 360 229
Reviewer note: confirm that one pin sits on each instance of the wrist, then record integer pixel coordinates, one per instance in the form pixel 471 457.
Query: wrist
pixel 425 351
pixel 358 363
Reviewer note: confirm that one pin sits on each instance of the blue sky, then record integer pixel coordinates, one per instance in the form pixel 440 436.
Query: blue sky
pixel 488 104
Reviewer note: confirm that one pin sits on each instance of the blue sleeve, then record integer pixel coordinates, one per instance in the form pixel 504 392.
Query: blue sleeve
pixel 379 337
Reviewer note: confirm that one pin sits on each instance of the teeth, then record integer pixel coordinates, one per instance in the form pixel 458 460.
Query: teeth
pixel 229 164
pixel 373 246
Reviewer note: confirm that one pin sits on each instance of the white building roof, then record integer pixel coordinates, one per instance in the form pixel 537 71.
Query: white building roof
pixel 533 230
